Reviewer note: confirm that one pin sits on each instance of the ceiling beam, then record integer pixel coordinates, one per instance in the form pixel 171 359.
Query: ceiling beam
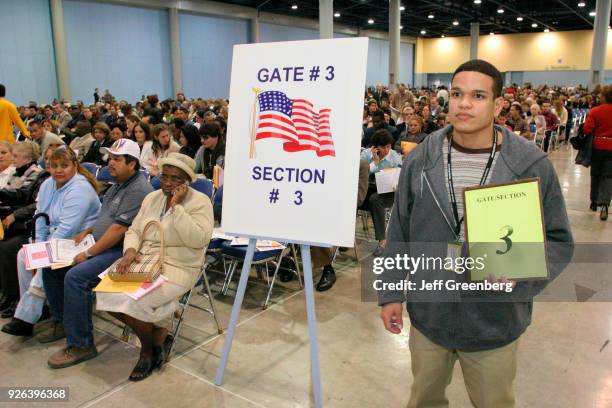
pixel 590 23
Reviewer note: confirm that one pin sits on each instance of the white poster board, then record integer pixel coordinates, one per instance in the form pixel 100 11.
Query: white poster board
pixel 293 140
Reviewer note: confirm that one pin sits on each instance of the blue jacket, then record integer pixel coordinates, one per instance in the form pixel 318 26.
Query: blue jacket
pixel 71 209
pixel 421 223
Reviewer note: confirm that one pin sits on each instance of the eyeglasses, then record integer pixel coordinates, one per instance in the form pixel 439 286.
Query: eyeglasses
pixel 164 178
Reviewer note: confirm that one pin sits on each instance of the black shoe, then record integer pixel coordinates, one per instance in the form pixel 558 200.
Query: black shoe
pixel 143 369
pixel 603 215
pixel 343 249
pixel 285 275
pixel 6 302
pixel 9 311
pixel 593 206
pixel 18 327
pixel 328 278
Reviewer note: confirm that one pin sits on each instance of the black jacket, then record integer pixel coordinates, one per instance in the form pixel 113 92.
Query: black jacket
pixel 93 155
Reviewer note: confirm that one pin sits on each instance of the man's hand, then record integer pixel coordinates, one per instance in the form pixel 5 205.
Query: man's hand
pixel 391 315
pixel 79 258
pixel 128 258
pixel 375 155
pixel 6 222
pixel 80 236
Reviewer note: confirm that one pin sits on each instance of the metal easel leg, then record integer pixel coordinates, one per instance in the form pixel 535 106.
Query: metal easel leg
pixel 244 277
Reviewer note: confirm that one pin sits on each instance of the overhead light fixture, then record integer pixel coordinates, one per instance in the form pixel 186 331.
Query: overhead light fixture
pixel 546 30
pixel 443 36
pixel 519 18
pixel 500 11
pixel 491 33
pixel 370 21
pixel 431 16
pixel 423 32
pixel 401 27
pixel 581 4
pixel 592 14
pixel 336 14
pixel 294 7
pixel 477 1
pixel 534 25
pixel 455 23
pixel 402 8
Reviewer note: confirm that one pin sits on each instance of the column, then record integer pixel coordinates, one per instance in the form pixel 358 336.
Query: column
pixel 474 33
pixel 394 43
pixel 61 54
pixel 326 19
pixel 175 51
pixel 600 40
pixel 254 30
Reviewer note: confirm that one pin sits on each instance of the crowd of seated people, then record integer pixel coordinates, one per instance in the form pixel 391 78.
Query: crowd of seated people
pixel 409 115
pixel 176 139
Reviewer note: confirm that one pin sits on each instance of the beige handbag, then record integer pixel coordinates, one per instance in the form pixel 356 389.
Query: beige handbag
pixel 148 268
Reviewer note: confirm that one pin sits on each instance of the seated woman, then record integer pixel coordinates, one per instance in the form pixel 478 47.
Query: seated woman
pixel 70 200
pixel 186 219
pixel 189 140
pixel 25 161
pixel 163 145
pixel 536 123
pixel 6 162
pixel 212 152
pixel 414 136
pixel 142 136
pixel 17 230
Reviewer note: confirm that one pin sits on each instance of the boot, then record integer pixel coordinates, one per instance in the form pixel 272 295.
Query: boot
pixel 603 215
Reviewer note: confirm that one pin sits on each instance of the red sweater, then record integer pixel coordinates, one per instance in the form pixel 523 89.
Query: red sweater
pixel 599 120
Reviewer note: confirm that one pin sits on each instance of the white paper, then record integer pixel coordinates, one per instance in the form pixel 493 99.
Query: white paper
pixel 218 233
pixel 148 287
pixel 64 250
pixel 37 255
pixel 386 180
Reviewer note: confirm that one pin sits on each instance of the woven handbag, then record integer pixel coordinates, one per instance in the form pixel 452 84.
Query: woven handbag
pixel 148 268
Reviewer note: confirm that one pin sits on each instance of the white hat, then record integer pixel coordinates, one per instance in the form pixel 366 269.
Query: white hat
pixel 123 147
pixel 181 161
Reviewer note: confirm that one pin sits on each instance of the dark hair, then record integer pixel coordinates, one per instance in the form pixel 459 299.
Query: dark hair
pixel 145 128
pixel 607 93
pixel 382 137
pixel 131 159
pixel 2 91
pixel 179 123
pixel 190 133
pixel 378 114
pixel 119 123
pixel 486 68
pixel 211 129
pixel 35 122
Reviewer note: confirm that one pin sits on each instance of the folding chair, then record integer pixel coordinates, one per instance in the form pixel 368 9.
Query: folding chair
pixel 237 254
pixel 204 186
pixel 293 250
pixel 91 167
pixel 145 174
pixel 104 175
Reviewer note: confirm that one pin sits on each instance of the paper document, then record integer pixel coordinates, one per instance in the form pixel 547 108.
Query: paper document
pixel 386 180
pixel 110 286
pixel 218 233
pixel 37 255
pixel 148 287
pixel 64 250
pixel 408 146
pixel 217 176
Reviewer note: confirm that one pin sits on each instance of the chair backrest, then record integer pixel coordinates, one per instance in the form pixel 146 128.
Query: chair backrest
pixel 104 175
pixel 155 183
pixel 91 167
pixel 218 199
pixel 144 174
pixel 204 186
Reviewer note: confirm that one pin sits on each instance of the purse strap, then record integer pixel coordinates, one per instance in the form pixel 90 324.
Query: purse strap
pixel 162 246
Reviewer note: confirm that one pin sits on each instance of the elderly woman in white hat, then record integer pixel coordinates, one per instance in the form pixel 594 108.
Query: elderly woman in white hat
pixel 186 219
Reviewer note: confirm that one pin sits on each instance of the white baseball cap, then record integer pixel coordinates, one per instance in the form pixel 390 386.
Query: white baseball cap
pixel 123 147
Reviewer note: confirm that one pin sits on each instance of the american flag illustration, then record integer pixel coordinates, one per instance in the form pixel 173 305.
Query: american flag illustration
pixel 295 121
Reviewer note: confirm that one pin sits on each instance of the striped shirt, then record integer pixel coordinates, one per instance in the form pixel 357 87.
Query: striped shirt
pixel 468 166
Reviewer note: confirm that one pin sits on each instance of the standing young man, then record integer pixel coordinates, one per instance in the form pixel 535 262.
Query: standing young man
pixel 483 335
pixel 9 117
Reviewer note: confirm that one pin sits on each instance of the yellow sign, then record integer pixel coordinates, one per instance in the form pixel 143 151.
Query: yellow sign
pixel 407 146
pixel 504 226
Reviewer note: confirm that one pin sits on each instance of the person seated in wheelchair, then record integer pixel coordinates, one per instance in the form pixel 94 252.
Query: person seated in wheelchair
pixel 185 217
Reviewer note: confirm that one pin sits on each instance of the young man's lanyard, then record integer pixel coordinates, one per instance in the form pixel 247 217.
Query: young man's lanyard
pixel 451 186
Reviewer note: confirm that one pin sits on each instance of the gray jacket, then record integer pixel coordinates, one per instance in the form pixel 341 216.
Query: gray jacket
pixel 422 215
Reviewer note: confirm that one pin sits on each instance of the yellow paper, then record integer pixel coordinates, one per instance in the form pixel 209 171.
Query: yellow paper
pixel 407 146
pixel 1 231
pixel 108 285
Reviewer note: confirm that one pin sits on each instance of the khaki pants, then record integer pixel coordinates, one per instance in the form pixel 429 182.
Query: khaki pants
pixel 488 375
